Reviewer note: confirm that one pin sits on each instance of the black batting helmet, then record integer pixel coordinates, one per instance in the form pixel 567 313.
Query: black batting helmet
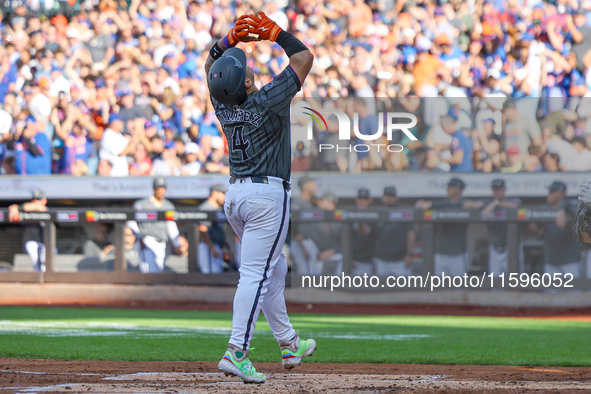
pixel 227 76
pixel 159 181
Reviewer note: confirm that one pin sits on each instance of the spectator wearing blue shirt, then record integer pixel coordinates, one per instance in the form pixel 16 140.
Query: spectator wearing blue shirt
pixel 461 146
pixel 8 76
pixel 45 66
pixel 5 136
pixel 188 63
pixel 33 151
pixel 368 124
pixel 77 146
pixel 208 124
pixel 452 56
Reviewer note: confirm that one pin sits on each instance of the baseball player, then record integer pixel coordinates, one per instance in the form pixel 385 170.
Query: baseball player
pixel 498 254
pixel 364 233
pixel 33 233
pixel 153 236
pixel 562 255
pixel 213 239
pixel 394 241
pixel 451 250
pixel 305 263
pixel 256 124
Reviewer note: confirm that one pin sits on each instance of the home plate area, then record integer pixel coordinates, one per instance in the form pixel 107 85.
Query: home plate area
pixel 311 378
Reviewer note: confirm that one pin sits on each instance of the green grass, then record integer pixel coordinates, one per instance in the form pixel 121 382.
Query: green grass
pixel 118 334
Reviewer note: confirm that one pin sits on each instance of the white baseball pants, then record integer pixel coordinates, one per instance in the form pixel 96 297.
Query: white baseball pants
pixel 395 268
pixel 450 265
pixel 302 265
pixel 498 262
pixel 208 263
pixel 259 215
pixel 152 256
pixel 361 267
pixel 36 251
pixel 573 268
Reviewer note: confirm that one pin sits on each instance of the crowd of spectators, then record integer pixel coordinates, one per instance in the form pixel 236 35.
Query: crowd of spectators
pixel 118 88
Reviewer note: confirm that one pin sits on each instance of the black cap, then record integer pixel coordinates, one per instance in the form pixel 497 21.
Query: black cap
pixel 456 182
pixel 497 183
pixel 159 182
pixel 389 191
pixel 557 186
pixel 219 187
pixel 330 197
pixel 39 194
pixel 363 193
pixel 305 179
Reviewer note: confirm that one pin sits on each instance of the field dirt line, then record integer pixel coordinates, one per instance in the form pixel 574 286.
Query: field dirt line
pixel 568 314
pixel 25 375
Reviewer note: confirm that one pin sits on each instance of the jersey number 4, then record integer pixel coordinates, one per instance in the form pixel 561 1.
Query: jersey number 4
pixel 239 143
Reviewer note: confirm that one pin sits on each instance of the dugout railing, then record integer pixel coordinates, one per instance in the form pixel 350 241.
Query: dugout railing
pixel 191 217
pixel 428 220
pixel 119 274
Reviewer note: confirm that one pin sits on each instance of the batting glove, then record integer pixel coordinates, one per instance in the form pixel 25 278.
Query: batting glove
pixel 266 28
pixel 239 33
pixel 585 194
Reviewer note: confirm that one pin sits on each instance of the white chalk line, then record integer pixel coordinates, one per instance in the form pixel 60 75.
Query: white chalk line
pixel 429 379
pixel 50 373
pixel 434 378
pixel 41 388
pixel 96 329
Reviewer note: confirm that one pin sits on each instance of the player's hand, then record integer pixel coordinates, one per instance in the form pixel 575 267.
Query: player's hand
pixel 408 261
pixel 13 213
pixel 266 28
pixel 107 249
pixel 422 204
pixel 325 255
pixel 216 253
pixel 239 33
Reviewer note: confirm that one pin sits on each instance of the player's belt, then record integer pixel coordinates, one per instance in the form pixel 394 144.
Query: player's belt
pixel 261 179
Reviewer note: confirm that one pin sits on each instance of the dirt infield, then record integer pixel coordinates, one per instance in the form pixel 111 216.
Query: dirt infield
pixel 22 375
pixel 25 375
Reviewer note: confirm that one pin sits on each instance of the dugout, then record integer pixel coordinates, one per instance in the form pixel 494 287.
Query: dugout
pixel 80 195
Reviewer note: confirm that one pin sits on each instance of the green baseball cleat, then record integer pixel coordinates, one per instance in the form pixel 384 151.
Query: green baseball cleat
pixel 293 351
pixel 236 362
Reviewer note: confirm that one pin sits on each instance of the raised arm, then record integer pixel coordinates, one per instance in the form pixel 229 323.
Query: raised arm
pixel 301 61
pixel 300 57
pixel 221 48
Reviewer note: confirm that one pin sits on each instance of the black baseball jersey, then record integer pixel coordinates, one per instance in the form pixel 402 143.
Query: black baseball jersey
pixel 258 131
pixel 450 238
